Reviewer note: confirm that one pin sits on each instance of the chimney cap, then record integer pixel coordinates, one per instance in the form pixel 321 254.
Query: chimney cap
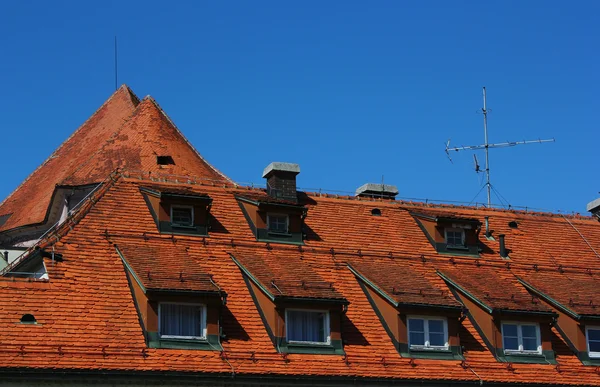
pixel 594 206
pixel 278 166
pixel 377 189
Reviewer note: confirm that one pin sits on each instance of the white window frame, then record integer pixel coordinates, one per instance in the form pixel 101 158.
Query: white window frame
pixel 326 328
pixel 173 206
pixel 427 346
pixel 455 229
pixel 287 223
pixel 521 351
pixel 203 322
pixel 592 355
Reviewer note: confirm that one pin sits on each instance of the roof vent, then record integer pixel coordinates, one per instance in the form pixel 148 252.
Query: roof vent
pixel 594 207
pixel 281 180
pixel 375 190
pixel 376 212
pixel 513 224
pixel 28 319
pixel 165 160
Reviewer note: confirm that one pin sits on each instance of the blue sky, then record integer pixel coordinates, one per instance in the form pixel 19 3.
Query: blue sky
pixel 352 90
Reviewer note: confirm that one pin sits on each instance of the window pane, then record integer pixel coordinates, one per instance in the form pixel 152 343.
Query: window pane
pixel 530 344
pixel 511 343
pixel 181 320
pixel 305 326
pixel 417 338
pixel 278 223
pixel 509 330
pixel 437 339
pixel 529 331
pixel 416 325
pixel 594 346
pixel 436 326
pixel 593 334
pixel 182 216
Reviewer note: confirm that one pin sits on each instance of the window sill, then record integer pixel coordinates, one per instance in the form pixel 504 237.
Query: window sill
pixel 308 344
pixel 333 348
pixel 183 226
pixel 453 247
pixel 429 349
pixel 279 234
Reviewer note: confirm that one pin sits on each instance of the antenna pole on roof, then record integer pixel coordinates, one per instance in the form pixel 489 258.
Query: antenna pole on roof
pixel 116 79
pixel 486 147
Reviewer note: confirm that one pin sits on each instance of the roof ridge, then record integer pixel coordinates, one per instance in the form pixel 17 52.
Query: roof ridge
pixel 170 121
pixel 123 87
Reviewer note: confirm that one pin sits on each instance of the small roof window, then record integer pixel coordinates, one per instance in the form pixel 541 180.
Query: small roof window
pixel 165 160
pixel 376 212
pixel 28 319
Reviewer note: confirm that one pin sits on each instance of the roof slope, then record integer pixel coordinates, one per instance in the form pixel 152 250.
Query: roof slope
pixel 89 289
pixel 123 133
pixel 29 202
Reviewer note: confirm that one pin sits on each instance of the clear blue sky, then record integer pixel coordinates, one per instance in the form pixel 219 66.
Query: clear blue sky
pixel 350 90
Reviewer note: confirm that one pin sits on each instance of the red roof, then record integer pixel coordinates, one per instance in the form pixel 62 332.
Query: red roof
pixel 123 133
pixel 87 319
pixel 166 266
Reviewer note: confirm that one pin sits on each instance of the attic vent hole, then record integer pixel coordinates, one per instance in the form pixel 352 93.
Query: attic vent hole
pixel 28 319
pixel 376 212
pixel 165 160
pixel 513 224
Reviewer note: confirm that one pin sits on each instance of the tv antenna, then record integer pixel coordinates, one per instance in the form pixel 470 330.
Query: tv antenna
pixel 486 146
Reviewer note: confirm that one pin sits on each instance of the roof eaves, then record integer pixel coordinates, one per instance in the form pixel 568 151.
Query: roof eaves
pixel 252 278
pixel 476 300
pixel 549 299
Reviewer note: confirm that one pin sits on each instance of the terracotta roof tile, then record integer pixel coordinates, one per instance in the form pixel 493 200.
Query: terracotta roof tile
pixel 165 266
pixel 404 283
pixel 496 288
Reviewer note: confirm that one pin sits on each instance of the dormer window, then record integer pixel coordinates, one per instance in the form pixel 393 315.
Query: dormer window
pixel 307 326
pixel 178 210
pixel 449 233
pixel 182 321
pixel 455 238
pixel 278 223
pixel 427 333
pixel 521 338
pixel 182 216
pixel 592 335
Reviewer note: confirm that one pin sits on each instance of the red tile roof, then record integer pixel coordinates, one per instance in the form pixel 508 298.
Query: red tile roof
pixel 497 288
pixel 123 133
pixel 285 273
pixel 406 283
pixel 165 266
pixel 87 318
pixel 578 292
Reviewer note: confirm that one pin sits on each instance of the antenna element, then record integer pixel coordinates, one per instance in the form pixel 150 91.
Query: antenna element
pixel 486 146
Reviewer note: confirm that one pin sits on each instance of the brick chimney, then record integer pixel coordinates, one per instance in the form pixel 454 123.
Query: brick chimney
pixel 281 180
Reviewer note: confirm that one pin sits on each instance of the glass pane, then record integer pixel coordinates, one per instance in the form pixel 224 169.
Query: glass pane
pixel 436 326
pixel 417 338
pixel 181 320
pixel 509 330
pixel 437 339
pixel 511 343
pixel 593 334
pixel 416 325
pixel 278 223
pixel 529 331
pixel 182 216
pixel 530 344
pixel 306 326
pixel 594 346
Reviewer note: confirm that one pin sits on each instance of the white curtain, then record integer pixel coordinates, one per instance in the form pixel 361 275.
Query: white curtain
pixel 306 326
pixel 181 320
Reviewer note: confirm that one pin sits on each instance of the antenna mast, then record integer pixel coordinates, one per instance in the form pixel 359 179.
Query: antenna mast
pixel 486 146
pixel 116 80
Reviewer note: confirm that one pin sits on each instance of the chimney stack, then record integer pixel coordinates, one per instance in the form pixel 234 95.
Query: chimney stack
pixel 503 252
pixel 281 180
pixel 377 191
pixel 594 208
